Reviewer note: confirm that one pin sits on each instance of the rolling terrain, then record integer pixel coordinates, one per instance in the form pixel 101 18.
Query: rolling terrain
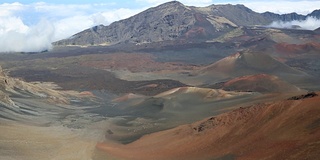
pixel 276 130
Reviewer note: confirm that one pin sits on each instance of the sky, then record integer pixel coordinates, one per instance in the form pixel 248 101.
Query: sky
pixel 31 25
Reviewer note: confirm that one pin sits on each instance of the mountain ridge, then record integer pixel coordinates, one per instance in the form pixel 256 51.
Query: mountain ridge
pixel 291 16
pixel 173 21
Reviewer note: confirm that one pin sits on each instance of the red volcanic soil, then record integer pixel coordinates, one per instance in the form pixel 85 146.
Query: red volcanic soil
pixel 195 32
pixel 288 129
pixel 259 83
pixel 293 49
pixel 250 63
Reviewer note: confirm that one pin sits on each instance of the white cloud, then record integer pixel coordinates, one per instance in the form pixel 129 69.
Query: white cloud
pixel 71 25
pixel 51 23
pixel 12 24
pixel 310 24
pixel 119 14
pixel 63 10
pixel 282 6
pixel 7 9
pixel 27 39
pixel 68 26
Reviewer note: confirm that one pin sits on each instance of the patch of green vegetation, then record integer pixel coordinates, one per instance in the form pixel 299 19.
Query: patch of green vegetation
pixel 234 33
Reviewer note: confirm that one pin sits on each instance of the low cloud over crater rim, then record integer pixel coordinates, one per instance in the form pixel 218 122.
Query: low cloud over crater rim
pixel 33 27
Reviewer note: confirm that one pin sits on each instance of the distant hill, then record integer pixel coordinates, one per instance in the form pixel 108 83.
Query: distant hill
pixel 169 21
pixel 246 63
pixel 317 30
pixel 315 13
pixel 175 21
pixel 290 16
pixel 249 63
pixel 283 17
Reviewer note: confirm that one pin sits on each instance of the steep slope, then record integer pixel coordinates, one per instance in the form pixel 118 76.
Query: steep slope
pixel 29 102
pixel 174 21
pixel 238 14
pixel 169 21
pixel 13 86
pixel 165 22
pixel 278 130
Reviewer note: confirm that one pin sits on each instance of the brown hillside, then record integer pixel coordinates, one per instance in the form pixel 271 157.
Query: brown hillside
pixel 288 129
pixel 297 48
pixel 259 83
pixel 250 63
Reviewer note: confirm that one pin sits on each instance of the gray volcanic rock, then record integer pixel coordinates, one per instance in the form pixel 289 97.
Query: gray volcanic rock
pixel 238 14
pixel 284 17
pixel 315 14
pixel 169 21
pixel 173 21
pixel 290 16
pixel 165 22
pixel 317 30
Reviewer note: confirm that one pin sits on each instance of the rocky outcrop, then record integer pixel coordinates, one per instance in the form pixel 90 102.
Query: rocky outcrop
pixel 4 97
pixel 13 86
pixel 304 96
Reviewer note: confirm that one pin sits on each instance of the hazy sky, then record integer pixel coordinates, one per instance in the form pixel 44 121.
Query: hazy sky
pixel 31 24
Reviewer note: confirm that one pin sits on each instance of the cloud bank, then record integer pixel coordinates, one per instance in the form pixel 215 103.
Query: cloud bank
pixel 33 27
pixel 22 38
pixel 310 23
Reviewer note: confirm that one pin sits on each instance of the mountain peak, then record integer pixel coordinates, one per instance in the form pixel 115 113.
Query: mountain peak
pixel 173 21
pixel 315 14
pixel 172 3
